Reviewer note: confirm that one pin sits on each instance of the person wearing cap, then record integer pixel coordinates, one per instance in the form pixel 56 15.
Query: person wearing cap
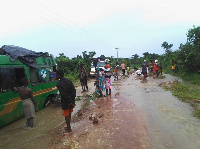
pixel 144 70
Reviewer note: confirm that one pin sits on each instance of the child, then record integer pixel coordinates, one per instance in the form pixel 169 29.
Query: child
pixel 107 81
pixel 100 81
pixel 116 71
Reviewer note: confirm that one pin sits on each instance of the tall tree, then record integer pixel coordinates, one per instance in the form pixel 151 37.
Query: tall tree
pixel 167 48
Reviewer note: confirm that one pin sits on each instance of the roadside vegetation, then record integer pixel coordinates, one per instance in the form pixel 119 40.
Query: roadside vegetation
pixel 186 60
pixel 186 94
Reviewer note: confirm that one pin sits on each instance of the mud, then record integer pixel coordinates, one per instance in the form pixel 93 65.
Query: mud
pixel 138 115
pixel 109 122
pixel 17 136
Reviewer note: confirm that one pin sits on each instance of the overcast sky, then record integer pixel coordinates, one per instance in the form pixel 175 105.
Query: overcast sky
pixel 74 26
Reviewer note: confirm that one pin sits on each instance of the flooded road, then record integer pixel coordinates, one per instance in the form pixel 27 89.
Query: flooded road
pixel 169 121
pixel 16 136
pixel 137 116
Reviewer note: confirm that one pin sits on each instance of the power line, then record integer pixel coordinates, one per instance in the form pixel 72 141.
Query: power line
pixel 73 26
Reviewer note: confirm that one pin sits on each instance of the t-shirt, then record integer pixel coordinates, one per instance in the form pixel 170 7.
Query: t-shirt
pixel 156 66
pixel 144 67
pixel 123 66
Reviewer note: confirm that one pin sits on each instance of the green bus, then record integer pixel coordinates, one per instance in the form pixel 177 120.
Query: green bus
pixel 16 63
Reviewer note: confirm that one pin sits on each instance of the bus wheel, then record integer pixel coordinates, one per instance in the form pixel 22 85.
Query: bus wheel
pixel 47 102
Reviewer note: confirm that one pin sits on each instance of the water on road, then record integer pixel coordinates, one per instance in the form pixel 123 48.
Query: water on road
pixel 137 115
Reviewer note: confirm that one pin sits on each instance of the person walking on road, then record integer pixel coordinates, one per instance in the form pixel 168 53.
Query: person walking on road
pixel 28 102
pixel 68 94
pixel 123 66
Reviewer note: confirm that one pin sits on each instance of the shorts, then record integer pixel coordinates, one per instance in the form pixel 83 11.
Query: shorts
pixel 66 112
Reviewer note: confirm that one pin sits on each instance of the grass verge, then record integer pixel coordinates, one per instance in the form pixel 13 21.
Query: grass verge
pixel 186 94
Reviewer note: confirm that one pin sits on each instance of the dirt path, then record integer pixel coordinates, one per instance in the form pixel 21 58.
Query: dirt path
pixel 137 115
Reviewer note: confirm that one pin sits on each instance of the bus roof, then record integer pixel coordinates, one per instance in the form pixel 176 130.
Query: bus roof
pixel 18 55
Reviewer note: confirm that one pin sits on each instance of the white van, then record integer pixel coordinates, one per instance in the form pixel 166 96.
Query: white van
pixel 100 64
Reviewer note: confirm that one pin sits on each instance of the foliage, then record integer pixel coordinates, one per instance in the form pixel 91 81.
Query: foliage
pixel 167 47
pixel 187 57
pixel 71 66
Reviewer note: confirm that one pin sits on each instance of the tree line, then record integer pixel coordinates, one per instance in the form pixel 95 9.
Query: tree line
pixel 187 57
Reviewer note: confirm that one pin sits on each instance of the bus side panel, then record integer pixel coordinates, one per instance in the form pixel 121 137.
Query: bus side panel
pixel 42 91
pixel 12 109
pixel 16 114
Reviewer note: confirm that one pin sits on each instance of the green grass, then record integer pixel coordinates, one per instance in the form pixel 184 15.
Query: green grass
pixel 186 94
pixel 193 78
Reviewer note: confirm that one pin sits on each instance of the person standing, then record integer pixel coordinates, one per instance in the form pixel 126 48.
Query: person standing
pixel 128 68
pixel 68 94
pixel 156 68
pixel 144 70
pixel 123 66
pixel 107 80
pixel 116 71
pixel 28 102
pixel 83 75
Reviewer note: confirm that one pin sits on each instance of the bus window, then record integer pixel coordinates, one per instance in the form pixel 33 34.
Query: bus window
pixel 10 78
pixel 19 74
pixel 33 76
pixel 53 74
pixel 6 79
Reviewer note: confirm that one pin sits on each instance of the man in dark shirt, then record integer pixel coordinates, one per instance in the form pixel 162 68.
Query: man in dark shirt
pixel 144 70
pixel 68 94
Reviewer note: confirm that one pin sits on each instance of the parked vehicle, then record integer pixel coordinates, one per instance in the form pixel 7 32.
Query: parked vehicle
pixel 97 63
pixel 16 63
pixel 92 70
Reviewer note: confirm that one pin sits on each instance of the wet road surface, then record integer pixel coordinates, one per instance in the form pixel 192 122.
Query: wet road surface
pixel 16 136
pixel 136 116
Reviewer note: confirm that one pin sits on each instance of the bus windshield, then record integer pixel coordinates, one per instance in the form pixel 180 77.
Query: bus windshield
pixel 100 64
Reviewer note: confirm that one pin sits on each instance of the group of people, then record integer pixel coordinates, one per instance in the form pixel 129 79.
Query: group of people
pixel 152 69
pixel 67 92
pixel 103 81
pixel 123 68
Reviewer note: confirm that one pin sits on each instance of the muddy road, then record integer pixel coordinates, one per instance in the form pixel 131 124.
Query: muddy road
pixel 16 136
pixel 136 116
